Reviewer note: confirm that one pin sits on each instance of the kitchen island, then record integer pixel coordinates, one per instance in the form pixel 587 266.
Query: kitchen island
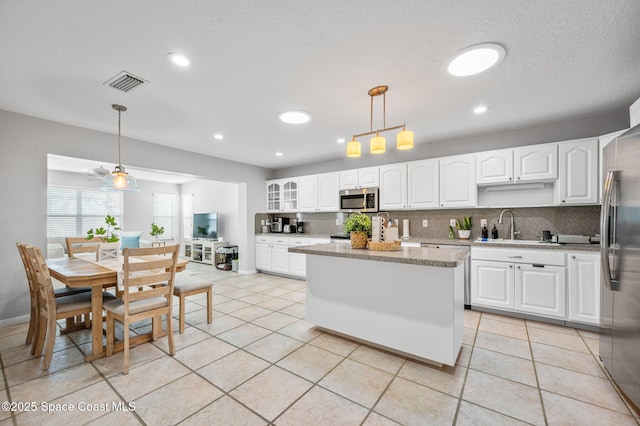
pixel 409 301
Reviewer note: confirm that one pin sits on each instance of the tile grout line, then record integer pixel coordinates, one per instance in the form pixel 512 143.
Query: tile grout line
pixel 535 371
pixel 466 374
pixel 6 388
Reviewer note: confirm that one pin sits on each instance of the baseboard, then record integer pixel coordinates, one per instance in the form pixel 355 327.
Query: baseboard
pixel 13 321
pixel 247 271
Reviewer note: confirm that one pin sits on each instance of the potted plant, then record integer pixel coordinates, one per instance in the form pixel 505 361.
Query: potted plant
pixel 156 231
pixel 109 246
pixel 358 226
pixel 464 228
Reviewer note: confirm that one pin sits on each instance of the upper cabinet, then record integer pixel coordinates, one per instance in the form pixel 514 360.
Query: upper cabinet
pixel 360 178
pixel 578 179
pixel 393 187
pixel 282 195
pixel 457 181
pixel 423 184
pixel 319 193
pixel 535 163
pixel 494 167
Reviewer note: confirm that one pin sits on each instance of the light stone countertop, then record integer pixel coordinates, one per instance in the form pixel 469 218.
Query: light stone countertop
pixel 422 256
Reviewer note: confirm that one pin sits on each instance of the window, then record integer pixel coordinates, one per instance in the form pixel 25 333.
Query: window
pixel 163 213
pixel 73 211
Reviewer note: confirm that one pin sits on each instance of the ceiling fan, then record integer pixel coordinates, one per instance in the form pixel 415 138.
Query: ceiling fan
pixel 98 173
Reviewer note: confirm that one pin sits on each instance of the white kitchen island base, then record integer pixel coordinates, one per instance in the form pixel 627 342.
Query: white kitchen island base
pixel 412 309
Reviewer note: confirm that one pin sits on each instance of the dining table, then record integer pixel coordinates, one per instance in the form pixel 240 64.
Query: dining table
pixel 78 272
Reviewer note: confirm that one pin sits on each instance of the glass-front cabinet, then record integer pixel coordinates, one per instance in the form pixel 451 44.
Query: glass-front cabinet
pixel 282 195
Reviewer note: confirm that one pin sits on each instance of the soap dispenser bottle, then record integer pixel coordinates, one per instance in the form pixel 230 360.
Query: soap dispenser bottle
pixel 485 233
pixel 494 232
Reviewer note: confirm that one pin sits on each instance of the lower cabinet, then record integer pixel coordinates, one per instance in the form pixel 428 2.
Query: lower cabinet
pixel 203 251
pixel 584 287
pixel 493 284
pixel 540 290
pixel 272 254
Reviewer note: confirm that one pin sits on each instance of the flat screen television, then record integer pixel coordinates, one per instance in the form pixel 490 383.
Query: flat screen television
pixel 205 225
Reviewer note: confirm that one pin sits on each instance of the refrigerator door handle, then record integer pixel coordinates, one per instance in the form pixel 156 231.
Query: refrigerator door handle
pixel 610 281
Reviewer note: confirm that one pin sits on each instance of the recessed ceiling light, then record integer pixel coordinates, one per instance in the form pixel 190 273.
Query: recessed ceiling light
pixel 475 59
pixel 218 136
pixel 294 117
pixel 179 60
pixel 278 154
pixel 341 140
pixel 480 109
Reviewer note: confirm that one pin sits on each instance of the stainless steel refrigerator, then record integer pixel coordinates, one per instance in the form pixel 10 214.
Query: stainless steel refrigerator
pixel 620 258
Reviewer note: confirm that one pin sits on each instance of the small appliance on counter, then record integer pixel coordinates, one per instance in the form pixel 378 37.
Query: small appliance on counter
pixel 300 228
pixel 573 239
pixel 278 224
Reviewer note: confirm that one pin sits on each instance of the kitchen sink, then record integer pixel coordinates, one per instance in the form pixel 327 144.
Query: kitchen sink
pixel 516 242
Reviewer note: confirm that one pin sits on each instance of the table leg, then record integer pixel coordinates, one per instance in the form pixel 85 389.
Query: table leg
pixel 97 351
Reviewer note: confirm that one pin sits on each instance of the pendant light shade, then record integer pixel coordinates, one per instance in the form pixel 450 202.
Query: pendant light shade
pixel 119 180
pixel 378 144
pixel 354 149
pixel 404 139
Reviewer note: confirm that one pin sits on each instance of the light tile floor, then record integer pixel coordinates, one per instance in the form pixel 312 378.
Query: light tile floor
pixel 260 362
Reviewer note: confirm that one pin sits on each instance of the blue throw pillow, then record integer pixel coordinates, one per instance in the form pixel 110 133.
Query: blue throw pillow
pixel 129 242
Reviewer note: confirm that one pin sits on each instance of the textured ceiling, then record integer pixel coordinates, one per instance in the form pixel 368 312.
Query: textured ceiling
pixel 254 59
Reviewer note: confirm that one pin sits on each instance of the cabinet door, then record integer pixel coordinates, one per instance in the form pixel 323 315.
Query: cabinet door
pixel 584 287
pixel 368 177
pixel 492 284
pixel 328 187
pixel 536 162
pixel 263 256
pixel 578 178
pixel 280 258
pixel 393 187
pixel 349 179
pixel 308 193
pixel 494 167
pixel 458 181
pixel 540 290
pixel 422 184
pixel 290 195
pixel 298 264
pixel 273 196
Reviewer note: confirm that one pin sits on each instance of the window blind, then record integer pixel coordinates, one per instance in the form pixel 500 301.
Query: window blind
pixel 163 213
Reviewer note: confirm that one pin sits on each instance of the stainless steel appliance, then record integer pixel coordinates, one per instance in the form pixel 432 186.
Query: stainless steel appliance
pixel 278 224
pixel 359 200
pixel 620 257
pixel 467 269
pixel 300 228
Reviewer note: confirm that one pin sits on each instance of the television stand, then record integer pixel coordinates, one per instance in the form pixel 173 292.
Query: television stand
pixel 201 250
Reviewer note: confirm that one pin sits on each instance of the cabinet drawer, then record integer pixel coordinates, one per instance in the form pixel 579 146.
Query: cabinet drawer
pixel 299 241
pixel 282 241
pixel 541 257
pixel 263 239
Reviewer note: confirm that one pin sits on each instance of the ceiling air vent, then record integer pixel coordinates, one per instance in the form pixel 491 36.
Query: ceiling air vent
pixel 125 81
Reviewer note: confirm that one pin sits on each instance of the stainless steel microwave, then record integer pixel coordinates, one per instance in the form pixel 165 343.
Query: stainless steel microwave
pixel 359 200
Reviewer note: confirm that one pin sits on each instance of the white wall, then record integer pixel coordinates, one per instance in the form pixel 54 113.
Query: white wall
pixel 221 198
pixel 25 142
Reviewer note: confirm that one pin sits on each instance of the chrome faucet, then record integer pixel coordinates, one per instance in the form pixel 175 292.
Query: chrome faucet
pixel 513 231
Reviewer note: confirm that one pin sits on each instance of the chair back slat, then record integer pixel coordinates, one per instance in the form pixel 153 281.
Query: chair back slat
pixel 137 275
pixel 43 279
pixel 82 245
pixel 148 293
pixel 162 264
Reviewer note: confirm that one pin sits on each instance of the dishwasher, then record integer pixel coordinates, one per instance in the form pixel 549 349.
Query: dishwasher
pixel 467 269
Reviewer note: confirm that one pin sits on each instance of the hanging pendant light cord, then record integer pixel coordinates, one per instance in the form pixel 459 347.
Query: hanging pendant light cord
pixel 119 162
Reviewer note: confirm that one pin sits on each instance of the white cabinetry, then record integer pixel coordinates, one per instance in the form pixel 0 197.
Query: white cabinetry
pixel 393 187
pixel 535 163
pixel 578 178
pixel 423 184
pixel 319 193
pixel 272 254
pixel 203 251
pixel 360 178
pixel 282 195
pixel 458 181
pixel 584 287
pixel 494 167
pixel 530 281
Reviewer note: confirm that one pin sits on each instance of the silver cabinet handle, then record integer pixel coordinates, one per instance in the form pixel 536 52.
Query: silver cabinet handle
pixel 573 257
pixel 510 266
pixel 514 257
pixel 518 267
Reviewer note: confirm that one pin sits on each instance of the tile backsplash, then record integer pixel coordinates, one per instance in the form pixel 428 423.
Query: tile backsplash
pixel 529 221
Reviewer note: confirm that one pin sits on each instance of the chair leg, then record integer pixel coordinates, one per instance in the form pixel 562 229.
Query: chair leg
pixel 51 340
pixel 182 313
pixel 41 335
pixel 110 333
pixel 33 325
pixel 210 305
pixel 126 345
pixel 172 348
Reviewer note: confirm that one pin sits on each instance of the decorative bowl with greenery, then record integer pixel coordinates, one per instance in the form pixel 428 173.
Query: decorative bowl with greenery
pixel 107 234
pixel 156 231
pixel 358 226
pixel 464 227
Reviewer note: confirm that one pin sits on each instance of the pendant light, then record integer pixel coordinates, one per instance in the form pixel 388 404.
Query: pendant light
pixel 119 180
pixel 378 143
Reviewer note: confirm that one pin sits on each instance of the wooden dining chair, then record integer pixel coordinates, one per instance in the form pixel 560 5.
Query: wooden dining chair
pixel 50 308
pixel 81 245
pixel 188 285
pixel 143 295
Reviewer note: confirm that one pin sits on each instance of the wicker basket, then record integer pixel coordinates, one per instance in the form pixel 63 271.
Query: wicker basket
pixel 358 240
pixel 384 246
